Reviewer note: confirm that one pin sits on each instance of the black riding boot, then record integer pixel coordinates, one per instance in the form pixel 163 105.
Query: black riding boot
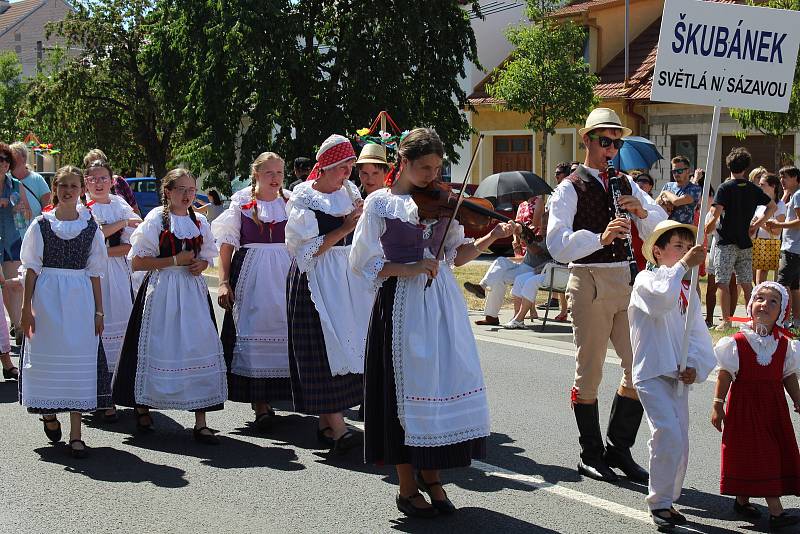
pixel 626 415
pixel 592 463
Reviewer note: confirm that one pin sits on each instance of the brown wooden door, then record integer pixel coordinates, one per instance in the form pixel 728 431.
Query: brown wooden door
pixel 761 148
pixel 513 153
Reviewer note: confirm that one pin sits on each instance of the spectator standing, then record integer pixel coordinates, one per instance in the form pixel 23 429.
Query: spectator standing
pixel 301 168
pixel 34 193
pixel 766 244
pixel 679 198
pixel 734 205
pixel 645 182
pixel 214 208
pixel 789 268
pixel 756 174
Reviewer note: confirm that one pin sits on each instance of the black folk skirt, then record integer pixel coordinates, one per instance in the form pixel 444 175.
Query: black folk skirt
pixel 384 438
pixel 245 388
pixel 124 385
pixel 314 389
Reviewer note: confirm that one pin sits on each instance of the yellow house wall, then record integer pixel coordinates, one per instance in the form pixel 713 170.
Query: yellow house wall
pixel 611 26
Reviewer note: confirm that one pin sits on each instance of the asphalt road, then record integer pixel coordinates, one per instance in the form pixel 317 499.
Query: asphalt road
pixel 281 482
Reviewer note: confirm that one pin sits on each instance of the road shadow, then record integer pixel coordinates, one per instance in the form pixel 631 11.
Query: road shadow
pixel 127 423
pixel 112 465
pixel 229 454
pixel 9 391
pixel 468 519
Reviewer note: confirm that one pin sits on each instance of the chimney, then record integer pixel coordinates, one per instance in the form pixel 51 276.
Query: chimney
pixel 4 5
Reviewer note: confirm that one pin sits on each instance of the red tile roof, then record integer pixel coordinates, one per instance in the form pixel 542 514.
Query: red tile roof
pixel 16 11
pixel 580 6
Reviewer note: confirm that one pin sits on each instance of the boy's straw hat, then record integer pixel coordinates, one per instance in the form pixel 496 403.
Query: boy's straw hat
pixel 660 229
pixel 372 153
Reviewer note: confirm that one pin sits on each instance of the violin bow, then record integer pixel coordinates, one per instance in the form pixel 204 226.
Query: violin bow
pixel 450 219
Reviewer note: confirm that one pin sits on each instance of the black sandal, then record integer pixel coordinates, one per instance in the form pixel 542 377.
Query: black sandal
pixel 12 373
pixel 405 505
pixel 663 519
pixel 206 439
pixel 264 421
pixel 445 506
pixel 54 435
pixel 348 440
pixel 141 427
pixel 325 441
pixel 746 510
pixel 78 453
pixel 678 517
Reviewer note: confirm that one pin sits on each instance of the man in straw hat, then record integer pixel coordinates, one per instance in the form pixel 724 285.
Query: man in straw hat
pixel 584 232
pixel 372 168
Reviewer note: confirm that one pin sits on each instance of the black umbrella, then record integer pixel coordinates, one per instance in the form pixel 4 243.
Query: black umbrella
pixel 511 186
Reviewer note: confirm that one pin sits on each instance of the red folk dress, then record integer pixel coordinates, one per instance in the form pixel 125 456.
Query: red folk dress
pixel 760 457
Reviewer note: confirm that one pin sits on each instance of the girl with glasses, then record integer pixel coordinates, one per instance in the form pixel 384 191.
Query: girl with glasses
pixel 117 222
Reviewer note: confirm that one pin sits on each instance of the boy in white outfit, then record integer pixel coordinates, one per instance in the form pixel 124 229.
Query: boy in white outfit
pixel 657 315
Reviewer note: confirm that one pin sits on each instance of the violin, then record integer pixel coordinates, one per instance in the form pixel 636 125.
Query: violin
pixel 438 201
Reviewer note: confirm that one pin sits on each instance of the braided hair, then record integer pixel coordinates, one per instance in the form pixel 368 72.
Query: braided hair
pixel 260 160
pixel 168 182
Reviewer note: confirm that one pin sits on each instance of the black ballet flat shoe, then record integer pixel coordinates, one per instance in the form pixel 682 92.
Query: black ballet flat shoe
pixel 663 523
pixel 777 522
pixel 677 517
pixel 80 453
pixel 405 505
pixel 205 439
pixel 348 440
pixel 11 374
pixel 445 506
pixel 746 510
pixel 144 427
pixel 54 435
pixel 264 421
pixel 102 416
pixel 597 470
pixel 326 441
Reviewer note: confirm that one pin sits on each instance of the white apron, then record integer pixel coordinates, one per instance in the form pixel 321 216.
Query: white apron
pixel 180 361
pixel 60 359
pixel 259 312
pixel 344 302
pixel 441 397
pixel 117 305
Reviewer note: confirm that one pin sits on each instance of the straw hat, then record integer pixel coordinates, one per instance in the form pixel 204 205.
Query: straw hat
pixel 601 118
pixel 372 153
pixel 660 229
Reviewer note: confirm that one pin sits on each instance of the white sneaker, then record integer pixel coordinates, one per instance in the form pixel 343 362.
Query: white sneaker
pixel 513 324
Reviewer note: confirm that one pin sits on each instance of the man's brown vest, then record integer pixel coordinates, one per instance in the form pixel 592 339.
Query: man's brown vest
pixel 594 211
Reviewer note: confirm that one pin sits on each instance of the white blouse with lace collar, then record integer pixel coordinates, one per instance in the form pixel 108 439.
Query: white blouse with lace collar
pixel 764 346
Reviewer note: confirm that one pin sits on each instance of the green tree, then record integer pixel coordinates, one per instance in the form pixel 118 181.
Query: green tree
pixel 104 87
pixel 283 75
pixel 12 94
pixel 774 125
pixel 547 86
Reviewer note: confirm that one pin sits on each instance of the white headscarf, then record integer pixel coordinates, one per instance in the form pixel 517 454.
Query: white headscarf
pixel 784 300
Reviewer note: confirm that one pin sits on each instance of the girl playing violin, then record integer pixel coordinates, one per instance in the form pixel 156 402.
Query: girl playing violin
pixel 435 417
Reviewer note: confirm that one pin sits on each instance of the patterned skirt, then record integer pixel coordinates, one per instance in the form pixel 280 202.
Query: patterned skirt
pixel 124 383
pixel 245 388
pixel 384 438
pixel 766 254
pixel 314 389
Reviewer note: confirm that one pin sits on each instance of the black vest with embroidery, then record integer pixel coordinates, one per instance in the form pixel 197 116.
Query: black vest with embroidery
pixel 328 223
pixel 66 253
pixel 169 245
pixel 594 211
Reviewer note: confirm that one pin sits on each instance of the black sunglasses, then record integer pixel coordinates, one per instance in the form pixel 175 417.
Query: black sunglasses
pixel 606 142
pixel 679 171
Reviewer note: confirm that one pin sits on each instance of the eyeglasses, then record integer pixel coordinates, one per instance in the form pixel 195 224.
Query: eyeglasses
pixel 606 142
pixel 183 190
pixel 98 179
pixel 676 172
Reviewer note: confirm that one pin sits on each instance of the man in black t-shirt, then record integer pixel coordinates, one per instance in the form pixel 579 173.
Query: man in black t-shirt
pixel 734 205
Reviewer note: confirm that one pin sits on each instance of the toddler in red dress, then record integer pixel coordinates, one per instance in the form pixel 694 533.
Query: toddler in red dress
pixel 760 457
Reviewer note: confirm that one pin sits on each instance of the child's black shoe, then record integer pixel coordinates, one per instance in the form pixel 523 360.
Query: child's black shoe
pixel 663 519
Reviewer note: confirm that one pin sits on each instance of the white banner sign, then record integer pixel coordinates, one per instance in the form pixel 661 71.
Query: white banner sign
pixel 726 55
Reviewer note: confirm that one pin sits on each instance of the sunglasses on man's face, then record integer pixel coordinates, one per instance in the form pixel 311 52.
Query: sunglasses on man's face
pixel 676 172
pixel 606 142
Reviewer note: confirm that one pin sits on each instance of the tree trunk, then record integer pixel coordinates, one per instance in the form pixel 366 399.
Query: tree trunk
pixel 778 154
pixel 543 152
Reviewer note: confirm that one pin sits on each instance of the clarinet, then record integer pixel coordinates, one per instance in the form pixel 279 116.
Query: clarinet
pixel 616 193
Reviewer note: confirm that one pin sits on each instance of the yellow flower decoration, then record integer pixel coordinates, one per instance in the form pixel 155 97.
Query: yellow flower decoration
pixel 362 131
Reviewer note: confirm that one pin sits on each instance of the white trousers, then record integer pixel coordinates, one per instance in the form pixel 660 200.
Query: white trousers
pixel 668 418
pixel 501 273
pixel 526 285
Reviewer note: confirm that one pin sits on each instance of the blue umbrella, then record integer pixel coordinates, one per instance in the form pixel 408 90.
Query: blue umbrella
pixel 636 153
